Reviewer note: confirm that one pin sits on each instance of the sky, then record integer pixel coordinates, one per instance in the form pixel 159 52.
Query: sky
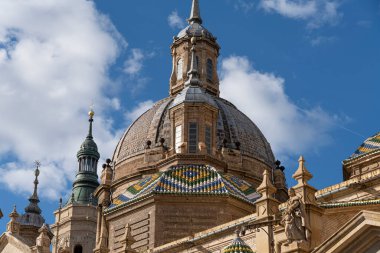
pixel 305 71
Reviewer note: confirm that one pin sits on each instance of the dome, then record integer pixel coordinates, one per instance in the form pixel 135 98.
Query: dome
pixel 195 30
pixel 233 128
pixel 237 246
pixel 31 219
pixel 369 145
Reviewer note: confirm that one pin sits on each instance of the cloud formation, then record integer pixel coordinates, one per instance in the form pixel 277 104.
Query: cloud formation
pixel 315 12
pixel 261 96
pixel 134 63
pixel 54 60
pixel 244 5
pixel 175 21
pixel 320 40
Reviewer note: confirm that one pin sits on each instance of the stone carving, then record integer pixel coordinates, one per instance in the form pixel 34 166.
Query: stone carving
pixel 297 227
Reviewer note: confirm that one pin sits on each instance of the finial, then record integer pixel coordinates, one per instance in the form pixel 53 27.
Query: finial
pixel 34 200
pixel 36 174
pixel 193 75
pixel 195 15
pixel 302 175
pixel 91 114
pixel 14 214
pixel 266 188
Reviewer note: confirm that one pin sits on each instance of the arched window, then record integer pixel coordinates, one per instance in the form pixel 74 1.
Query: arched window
pixel 210 69
pixel 197 67
pixel 178 138
pixel 193 137
pixel 78 249
pixel 179 69
pixel 208 139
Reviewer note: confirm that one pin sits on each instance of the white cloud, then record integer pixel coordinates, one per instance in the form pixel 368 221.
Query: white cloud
pixel 134 63
pixel 261 96
pixel 175 21
pixel 245 5
pixel 54 60
pixel 319 40
pixel 316 12
pixel 136 112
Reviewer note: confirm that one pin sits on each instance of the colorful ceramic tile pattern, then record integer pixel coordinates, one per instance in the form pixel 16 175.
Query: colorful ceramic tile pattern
pixel 369 145
pixel 189 180
pixel 237 246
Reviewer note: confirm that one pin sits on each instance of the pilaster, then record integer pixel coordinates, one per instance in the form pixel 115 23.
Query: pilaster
pixel 266 209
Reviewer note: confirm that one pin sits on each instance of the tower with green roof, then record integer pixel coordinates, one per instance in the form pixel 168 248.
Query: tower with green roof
pixel 86 180
pixel 75 222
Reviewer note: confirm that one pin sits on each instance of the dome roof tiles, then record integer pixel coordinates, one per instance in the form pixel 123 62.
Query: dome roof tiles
pixel 232 126
pixel 189 180
pixel 369 145
pixel 195 30
pixel 237 246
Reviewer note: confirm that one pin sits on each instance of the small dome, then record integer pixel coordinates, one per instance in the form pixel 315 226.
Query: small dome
pixel 369 145
pixel 195 30
pixel 31 219
pixel 191 94
pixel 237 246
pixel 88 147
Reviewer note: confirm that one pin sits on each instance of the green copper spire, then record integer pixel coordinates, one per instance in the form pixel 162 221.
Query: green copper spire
pixel 86 179
pixel 195 15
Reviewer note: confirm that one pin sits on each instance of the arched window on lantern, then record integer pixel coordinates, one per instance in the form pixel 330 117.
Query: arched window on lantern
pixel 179 69
pixel 210 70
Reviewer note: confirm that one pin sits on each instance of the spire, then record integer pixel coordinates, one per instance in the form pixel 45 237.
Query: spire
pixel 195 15
pixel 91 114
pixel 193 75
pixel 89 147
pixel 86 179
pixel 34 200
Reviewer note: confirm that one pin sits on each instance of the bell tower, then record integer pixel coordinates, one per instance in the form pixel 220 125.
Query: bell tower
pixel 75 222
pixel 206 57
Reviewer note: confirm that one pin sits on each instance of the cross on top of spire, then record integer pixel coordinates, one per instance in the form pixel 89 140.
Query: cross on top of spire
pixel 195 15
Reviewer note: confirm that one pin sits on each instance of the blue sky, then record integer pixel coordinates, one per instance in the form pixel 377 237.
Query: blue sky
pixel 306 72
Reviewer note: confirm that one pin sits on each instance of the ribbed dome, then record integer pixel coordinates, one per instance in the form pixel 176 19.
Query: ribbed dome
pixel 237 246
pixel 232 125
pixel 195 30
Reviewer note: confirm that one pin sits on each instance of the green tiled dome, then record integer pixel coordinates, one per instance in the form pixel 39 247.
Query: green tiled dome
pixel 369 145
pixel 237 246
pixel 193 180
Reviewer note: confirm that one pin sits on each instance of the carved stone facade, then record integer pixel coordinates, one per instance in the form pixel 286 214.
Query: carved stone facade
pixel 194 174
